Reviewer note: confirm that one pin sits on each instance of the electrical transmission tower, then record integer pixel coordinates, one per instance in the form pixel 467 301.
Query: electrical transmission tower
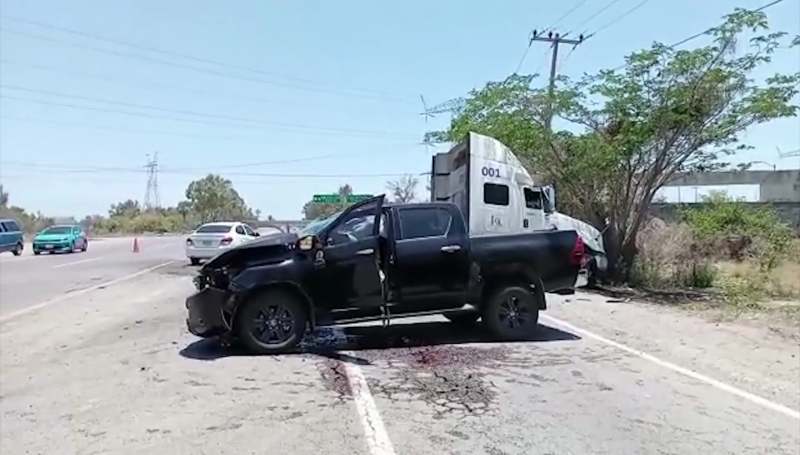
pixel 151 197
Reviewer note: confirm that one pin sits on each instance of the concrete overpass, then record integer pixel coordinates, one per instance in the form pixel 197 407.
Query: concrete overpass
pixel 774 186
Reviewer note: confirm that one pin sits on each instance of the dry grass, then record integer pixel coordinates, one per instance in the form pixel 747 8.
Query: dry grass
pixel 781 282
pixel 670 260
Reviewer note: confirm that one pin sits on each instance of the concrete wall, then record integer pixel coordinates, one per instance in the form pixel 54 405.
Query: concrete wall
pixel 776 186
pixel 787 211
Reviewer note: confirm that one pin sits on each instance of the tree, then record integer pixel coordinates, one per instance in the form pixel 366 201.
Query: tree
pixel 313 210
pixel 667 111
pixel 129 208
pixel 403 189
pixel 3 197
pixel 213 198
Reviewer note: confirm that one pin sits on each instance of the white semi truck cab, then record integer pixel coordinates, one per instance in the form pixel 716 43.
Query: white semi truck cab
pixel 497 195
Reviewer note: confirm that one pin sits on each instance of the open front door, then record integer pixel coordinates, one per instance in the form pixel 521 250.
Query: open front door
pixel 351 253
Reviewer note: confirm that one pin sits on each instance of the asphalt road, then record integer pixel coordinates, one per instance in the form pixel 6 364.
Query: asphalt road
pixel 110 368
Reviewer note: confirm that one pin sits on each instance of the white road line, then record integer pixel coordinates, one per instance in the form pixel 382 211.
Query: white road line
pixel 82 261
pixel 70 295
pixel 375 433
pixel 684 371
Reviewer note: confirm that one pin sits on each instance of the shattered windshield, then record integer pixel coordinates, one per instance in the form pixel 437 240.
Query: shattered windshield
pixel 314 227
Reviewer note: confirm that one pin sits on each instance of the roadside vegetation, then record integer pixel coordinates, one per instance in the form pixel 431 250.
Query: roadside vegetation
pixel 211 198
pixel 618 136
pixel 745 257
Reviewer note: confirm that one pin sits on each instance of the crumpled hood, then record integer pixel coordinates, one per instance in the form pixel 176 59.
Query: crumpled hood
pixel 263 248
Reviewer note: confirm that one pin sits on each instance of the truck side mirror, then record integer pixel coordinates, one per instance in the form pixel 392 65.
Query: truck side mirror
pixel 549 203
pixel 306 243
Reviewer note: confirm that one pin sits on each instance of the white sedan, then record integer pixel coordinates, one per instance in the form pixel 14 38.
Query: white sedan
pixel 212 239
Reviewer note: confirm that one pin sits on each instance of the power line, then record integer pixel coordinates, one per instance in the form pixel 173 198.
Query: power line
pixel 141 83
pixel 196 114
pixel 179 119
pixel 138 131
pixel 522 60
pixel 619 18
pixel 178 54
pixel 705 32
pixel 173 64
pixel 599 12
pixel 90 170
pixel 564 16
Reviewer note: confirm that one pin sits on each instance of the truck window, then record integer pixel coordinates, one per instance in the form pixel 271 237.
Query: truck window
pixel 533 199
pixel 422 222
pixel 495 194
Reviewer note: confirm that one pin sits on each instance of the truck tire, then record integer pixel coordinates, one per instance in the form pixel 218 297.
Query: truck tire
pixel 463 317
pixel 511 312
pixel 194 261
pixel 271 322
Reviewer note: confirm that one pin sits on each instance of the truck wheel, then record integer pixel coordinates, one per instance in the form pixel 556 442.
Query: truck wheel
pixel 511 312
pixel 462 318
pixel 17 249
pixel 194 261
pixel 271 322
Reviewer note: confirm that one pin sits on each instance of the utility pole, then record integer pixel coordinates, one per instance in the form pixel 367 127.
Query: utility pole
pixel 151 196
pixel 555 39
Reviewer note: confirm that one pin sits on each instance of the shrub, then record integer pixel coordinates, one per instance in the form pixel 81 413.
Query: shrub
pixel 744 232
pixel 670 258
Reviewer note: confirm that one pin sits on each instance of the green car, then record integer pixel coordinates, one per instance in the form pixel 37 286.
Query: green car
pixel 63 238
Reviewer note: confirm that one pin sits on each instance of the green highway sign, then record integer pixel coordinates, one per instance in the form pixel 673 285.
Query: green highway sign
pixel 337 198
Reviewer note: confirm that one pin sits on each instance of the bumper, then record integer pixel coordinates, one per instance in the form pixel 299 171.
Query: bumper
pixel 205 312
pixel 204 253
pixel 44 246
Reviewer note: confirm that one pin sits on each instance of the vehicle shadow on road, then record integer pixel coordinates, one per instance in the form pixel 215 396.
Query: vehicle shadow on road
pixel 326 342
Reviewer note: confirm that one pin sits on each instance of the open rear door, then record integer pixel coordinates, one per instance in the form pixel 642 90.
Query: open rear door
pixel 351 253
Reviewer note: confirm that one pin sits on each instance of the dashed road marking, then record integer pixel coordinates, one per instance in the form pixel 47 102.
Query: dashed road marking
pixel 679 369
pixel 82 261
pixel 70 295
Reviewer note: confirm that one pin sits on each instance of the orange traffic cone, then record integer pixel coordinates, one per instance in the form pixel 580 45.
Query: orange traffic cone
pixel 135 244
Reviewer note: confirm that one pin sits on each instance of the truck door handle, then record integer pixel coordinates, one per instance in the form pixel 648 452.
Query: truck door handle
pixel 365 252
pixel 451 248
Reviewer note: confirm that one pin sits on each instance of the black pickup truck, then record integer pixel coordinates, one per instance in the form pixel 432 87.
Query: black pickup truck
pixel 375 262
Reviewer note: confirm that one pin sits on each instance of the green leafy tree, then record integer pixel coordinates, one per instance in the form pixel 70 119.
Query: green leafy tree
pixel 129 208
pixel 667 111
pixel 213 198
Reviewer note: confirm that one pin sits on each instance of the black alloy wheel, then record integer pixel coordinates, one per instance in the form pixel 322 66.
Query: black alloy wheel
pixel 512 313
pixel 271 322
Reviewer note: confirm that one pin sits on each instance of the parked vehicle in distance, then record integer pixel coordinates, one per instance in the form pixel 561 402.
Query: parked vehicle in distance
pixel 65 238
pixel 11 237
pixel 212 239
pixel 377 262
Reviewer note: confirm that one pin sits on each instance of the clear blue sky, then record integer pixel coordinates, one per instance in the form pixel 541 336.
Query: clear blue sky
pixel 345 76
